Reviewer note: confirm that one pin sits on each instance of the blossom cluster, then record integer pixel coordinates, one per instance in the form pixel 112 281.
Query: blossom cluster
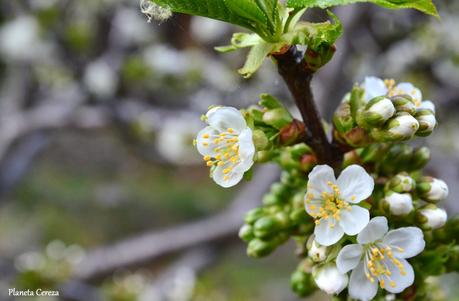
pixel 362 230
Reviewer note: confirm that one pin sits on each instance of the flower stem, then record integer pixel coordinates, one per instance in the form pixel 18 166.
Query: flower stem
pixel 298 77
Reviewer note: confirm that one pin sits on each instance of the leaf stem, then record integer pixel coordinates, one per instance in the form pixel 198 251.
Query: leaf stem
pixel 298 77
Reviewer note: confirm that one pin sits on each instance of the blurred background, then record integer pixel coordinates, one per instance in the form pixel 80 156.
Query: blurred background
pixel 99 181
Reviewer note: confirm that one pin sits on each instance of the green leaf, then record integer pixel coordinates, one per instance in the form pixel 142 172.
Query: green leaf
pixel 260 16
pixel 425 6
pixel 255 59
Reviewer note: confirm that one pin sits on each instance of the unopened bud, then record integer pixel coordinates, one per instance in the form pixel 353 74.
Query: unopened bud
pixel 399 203
pixel 342 119
pixel 259 248
pixel 277 118
pixel 302 283
pixel 420 158
pixel 260 140
pixel 377 111
pixel 266 226
pixel 253 215
pixel 432 190
pixel 246 233
pixel 316 252
pixel 308 162
pixel 402 127
pixel 432 217
pixel 329 279
pixel 401 183
pixel 427 122
pixel 292 132
pixel 404 103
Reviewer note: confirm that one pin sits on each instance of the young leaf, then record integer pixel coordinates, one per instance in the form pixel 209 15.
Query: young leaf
pixel 245 13
pixel 255 59
pixel 425 6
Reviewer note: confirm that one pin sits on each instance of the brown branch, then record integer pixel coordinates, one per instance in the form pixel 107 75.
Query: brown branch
pixel 298 77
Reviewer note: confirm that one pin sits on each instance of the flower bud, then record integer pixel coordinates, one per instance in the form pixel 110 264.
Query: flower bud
pixel 266 226
pixel 432 190
pixel 246 233
pixel 404 103
pixel 432 217
pixel 292 133
pixel 307 162
pixel 259 248
pixel 402 127
pixel 399 203
pixel 427 122
pixel 342 119
pixel 302 283
pixel 377 111
pixel 316 252
pixel 260 140
pixel 329 279
pixel 277 118
pixel 420 158
pixel 401 183
pixel 253 215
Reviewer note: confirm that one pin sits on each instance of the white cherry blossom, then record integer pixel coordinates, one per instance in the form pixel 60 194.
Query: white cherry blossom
pixel 379 257
pixel 332 202
pixel 226 145
pixel 329 279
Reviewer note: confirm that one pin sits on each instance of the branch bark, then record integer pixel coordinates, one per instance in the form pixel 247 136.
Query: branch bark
pixel 298 77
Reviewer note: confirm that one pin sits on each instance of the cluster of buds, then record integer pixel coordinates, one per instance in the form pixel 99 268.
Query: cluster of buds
pixel 404 195
pixel 380 111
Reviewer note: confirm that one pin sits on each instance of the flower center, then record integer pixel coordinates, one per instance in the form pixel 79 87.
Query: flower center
pixel 331 206
pixel 392 91
pixel 376 259
pixel 226 150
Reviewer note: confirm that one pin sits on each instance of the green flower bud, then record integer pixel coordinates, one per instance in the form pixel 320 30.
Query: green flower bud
pixel 298 150
pixel 357 137
pixel 266 226
pixel 246 233
pixel 316 58
pixel 432 190
pixel 401 183
pixel 260 140
pixel 277 118
pixel 342 119
pixel 287 162
pixel 255 113
pixel 264 156
pixel 427 122
pixel 376 112
pixel 260 248
pixel 253 215
pixel 404 103
pixel 400 128
pixel 431 217
pixel 420 158
pixel 279 190
pixel 302 283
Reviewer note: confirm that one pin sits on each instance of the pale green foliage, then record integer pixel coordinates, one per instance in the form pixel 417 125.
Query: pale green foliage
pixel 426 6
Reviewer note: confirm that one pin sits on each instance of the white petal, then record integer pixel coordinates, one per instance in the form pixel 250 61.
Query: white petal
pixel 353 221
pixel 349 257
pixel 400 281
pixel 374 87
pixel 360 287
pixel 427 104
pixel 227 180
pixel 312 207
pixel 355 184
pixel 374 231
pixel 319 177
pixel 327 235
pixel 206 146
pixel 329 279
pixel 246 146
pixel 223 118
pixel 409 89
pixel 410 239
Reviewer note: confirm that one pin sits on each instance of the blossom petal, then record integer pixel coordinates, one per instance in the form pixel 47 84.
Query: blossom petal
pixel 223 118
pixel 312 207
pixel 399 282
pixel 227 180
pixel 374 231
pixel 205 146
pixel 349 257
pixel 360 287
pixel 354 220
pixel 374 87
pixel 355 184
pixel 319 178
pixel 409 89
pixel 246 146
pixel 427 104
pixel 409 239
pixel 326 234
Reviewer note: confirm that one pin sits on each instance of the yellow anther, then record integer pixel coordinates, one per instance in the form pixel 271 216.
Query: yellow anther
pixel 207 158
pixel 353 197
pixel 220 163
pixel 382 283
pixel 312 207
pixel 205 136
pixel 210 163
pixel 230 130
pixel 205 144
pixel 218 157
pixel 227 170
pixel 317 222
pixel 226 178
pixel 392 284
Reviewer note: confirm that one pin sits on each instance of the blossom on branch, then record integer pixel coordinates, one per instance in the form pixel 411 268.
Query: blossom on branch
pixel 330 202
pixel 227 145
pixel 380 257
